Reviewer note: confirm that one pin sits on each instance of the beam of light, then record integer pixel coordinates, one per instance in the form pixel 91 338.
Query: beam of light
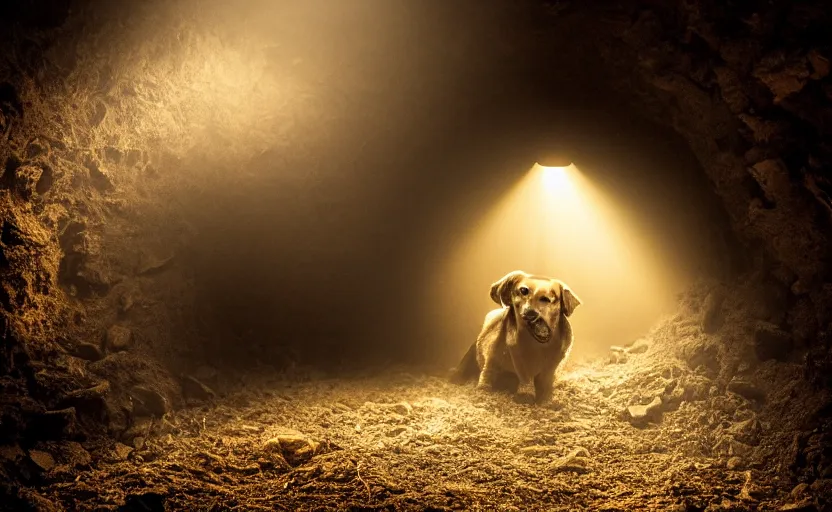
pixel 555 222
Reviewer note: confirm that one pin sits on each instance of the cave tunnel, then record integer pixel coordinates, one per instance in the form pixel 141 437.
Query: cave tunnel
pixel 247 250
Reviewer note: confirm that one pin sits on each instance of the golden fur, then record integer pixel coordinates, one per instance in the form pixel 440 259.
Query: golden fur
pixel 528 336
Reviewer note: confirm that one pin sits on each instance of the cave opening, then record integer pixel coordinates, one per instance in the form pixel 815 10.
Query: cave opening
pixel 244 243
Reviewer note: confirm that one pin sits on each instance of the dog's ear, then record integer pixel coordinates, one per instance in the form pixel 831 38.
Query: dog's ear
pixel 568 300
pixel 501 290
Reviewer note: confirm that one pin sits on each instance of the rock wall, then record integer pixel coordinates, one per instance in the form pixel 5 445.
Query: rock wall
pixel 749 87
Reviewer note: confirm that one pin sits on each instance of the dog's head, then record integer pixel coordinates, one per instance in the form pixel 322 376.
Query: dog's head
pixel 538 301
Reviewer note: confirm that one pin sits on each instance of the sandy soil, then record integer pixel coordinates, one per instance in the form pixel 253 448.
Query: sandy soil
pixel 406 441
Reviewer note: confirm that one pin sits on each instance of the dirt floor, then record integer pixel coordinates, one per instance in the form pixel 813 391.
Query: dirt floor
pixel 404 440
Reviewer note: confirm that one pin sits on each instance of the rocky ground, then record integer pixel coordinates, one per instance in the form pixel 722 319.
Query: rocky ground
pixel 641 430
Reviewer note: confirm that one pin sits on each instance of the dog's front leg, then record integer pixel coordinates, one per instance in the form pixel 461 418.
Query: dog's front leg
pixel 489 370
pixel 487 377
pixel 544 385
pixel 490 344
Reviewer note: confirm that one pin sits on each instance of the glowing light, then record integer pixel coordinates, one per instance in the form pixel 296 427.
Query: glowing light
pixel 554 178
pixel 556 222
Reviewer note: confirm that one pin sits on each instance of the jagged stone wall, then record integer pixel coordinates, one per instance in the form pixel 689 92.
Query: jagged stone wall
pixel 748 85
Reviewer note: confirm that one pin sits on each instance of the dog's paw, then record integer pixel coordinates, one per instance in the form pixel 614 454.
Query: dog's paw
pixel 524 398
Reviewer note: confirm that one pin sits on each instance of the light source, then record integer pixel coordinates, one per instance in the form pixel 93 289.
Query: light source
pixel 553 158
pixel 555 221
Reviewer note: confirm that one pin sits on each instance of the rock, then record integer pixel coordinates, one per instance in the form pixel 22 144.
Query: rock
pixel 579 451
pixel 746 389
pixel 672 396
pixel 751 491
pixel 747 431
pixel 617 357
pixel 122 451
pixel 640 415
pixel 193 389
pixel 711 319
pixel 403 408
pixel 736 448
pixel 293 446
pixel 87 351
pixel 43 459
pixel 800 490
pixel 781 75
pixel 770 342
pixel 577 461
pixel 71 453
pixel 729 447
pixel 734 463
pixel 698 351
pixel 696 387
pixel 640 346
pixel 118 338
pixel 148 402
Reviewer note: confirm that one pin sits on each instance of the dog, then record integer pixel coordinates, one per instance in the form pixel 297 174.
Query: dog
pixel 528 336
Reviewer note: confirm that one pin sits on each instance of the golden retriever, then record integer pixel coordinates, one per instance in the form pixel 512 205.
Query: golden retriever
pixel 528 336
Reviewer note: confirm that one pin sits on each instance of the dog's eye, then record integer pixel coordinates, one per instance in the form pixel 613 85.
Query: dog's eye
pixel 524 290
pixel 545 299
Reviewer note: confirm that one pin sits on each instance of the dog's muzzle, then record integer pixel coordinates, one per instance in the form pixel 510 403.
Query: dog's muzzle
pixel 537 326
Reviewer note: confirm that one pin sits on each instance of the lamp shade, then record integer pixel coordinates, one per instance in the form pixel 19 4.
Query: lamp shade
pixel 553 158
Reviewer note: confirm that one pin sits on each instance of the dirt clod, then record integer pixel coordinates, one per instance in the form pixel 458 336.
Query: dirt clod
pixel 148 402
pixel 122 451
pixel 293 446
pixel 118 338
pixel 87 351
pixel 43 459
pixel 641 415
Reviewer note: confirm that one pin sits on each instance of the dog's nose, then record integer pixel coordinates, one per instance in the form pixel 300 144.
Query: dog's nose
pixel 530 314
